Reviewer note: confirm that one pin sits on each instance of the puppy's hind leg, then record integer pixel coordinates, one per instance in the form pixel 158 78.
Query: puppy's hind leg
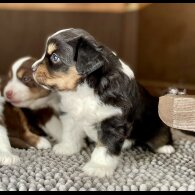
pixel 6 156
pixel 162 142
pixel 36 141
pixel 19 143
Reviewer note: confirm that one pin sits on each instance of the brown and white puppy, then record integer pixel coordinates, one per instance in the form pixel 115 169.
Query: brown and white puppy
pixel 28 112
pixel 102 100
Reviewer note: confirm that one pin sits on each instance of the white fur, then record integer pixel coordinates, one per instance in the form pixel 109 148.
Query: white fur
pixel 84 109
pixel 2 101
pixel 38 61
pixel 101 164
pixel 127 70
pixel 53 128
pixel 128 144
pixel 58 32
pixel 36 103
pixel 43 144
pixel 183 92
pixel 85 106
pixel 52 100
pixel 72 137
pixel 173 91
pixel 114 53
pixel 167 149
pixel 6 157
pixel 17 65
pixel 35 65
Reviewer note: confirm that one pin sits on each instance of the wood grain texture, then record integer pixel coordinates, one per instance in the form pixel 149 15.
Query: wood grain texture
pixel 25 32
pixel 166 43
pixel 68 7
pixel 178 111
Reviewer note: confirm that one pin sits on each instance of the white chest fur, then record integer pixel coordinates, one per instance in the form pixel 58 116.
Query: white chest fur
pixel 86 108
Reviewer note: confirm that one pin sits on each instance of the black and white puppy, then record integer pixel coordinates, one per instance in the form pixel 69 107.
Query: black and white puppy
pixel 101 99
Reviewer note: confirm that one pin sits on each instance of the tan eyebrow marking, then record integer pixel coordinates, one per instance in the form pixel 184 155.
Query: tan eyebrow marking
pixel 51 48
pixel 20 73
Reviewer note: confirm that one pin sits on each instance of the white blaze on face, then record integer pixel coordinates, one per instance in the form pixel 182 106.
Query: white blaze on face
pixel 21 92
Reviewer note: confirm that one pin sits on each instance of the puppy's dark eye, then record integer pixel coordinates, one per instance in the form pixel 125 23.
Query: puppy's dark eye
pixel 55 58
pixel 26 79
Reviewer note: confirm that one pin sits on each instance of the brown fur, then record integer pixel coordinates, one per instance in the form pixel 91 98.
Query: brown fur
pixel 18 127
pixel 57 80
pixel 39 117
pixel 24 127
pixel 19 143
pixel 20 73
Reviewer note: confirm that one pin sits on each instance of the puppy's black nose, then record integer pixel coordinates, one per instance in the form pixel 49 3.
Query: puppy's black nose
pixel 34 67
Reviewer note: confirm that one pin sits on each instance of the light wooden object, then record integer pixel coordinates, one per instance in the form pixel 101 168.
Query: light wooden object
pixel 76 7
pixel 178 111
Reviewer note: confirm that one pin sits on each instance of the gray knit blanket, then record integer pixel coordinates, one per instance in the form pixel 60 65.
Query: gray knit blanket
pixel 138 170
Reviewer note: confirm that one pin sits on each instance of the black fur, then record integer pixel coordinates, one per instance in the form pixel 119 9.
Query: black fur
pixel 140 120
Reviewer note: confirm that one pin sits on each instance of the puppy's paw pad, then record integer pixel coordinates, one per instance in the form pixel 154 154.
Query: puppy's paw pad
pixel 64 149
pixel 43 144
pixel 8 159
pixel 167 149
pixel 94 169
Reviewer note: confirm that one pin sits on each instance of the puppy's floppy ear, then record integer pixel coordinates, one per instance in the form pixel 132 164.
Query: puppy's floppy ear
pixel 89 57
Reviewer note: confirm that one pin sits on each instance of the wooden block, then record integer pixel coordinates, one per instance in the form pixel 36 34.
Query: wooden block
pixel 178 111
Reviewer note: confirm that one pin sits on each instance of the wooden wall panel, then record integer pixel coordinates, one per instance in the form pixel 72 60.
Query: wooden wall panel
pixel 25 32
pixel 166 53
pixel 158 41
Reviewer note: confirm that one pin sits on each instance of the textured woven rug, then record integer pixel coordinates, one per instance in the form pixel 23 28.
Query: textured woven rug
pixel 138 171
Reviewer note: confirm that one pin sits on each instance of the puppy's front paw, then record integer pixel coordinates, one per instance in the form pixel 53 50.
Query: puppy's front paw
pixel 65 149
pixel 8 159
pixel 98 170
pixel 43 144
pixel 167 149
